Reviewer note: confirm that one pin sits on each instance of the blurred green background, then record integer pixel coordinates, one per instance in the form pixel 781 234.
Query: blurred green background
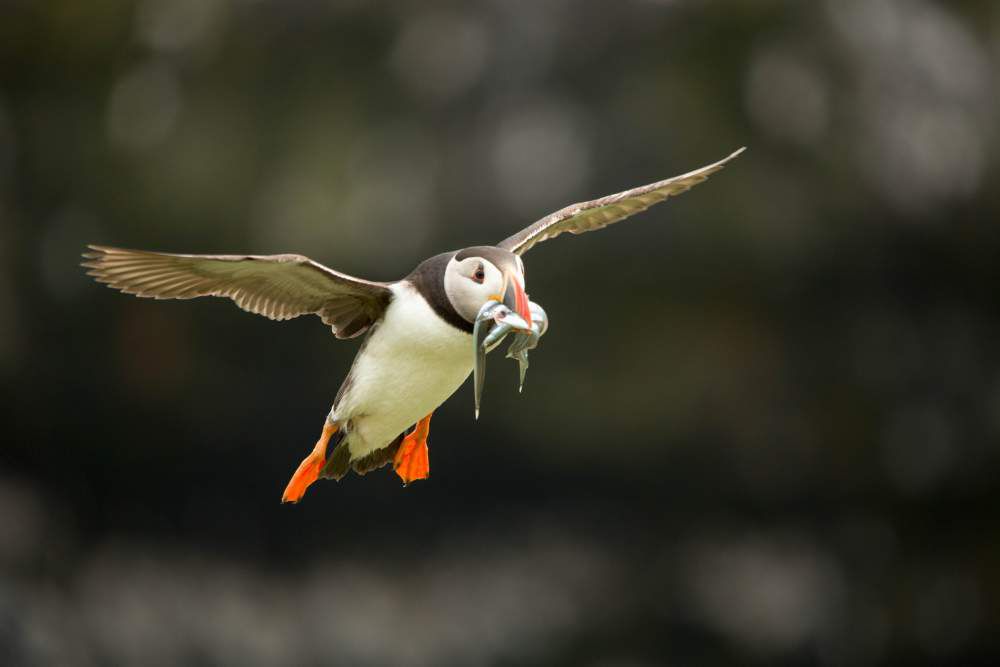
pixel 785 450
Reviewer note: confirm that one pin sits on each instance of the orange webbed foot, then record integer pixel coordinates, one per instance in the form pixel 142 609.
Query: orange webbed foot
pixel 412 460
pixel 308 471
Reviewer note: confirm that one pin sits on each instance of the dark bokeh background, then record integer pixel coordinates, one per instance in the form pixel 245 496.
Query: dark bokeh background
pixel 783 450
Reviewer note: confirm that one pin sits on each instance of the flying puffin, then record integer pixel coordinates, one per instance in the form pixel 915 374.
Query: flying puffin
pixel 417 351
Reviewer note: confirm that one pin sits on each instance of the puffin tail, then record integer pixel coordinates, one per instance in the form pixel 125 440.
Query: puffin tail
pixel 339 463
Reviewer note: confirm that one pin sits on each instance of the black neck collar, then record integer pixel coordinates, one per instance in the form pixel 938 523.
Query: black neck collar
pixel 428 280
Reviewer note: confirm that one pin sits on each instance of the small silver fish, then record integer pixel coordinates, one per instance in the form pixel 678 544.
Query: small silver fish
pixel 487 336
pixel 523 342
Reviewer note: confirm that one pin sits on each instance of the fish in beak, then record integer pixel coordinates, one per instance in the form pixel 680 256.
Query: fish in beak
pixel 504 313
pixel 494 321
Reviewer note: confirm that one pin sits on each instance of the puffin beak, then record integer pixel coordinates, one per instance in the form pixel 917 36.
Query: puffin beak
pixel 515 299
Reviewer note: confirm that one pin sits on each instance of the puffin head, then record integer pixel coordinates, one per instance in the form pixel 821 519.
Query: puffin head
pixel 476 275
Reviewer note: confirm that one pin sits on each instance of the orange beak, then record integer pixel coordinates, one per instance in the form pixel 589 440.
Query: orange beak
pixel 516 299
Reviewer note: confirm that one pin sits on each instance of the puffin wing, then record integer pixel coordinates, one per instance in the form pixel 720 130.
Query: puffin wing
pixel 591 215
pixel 279 287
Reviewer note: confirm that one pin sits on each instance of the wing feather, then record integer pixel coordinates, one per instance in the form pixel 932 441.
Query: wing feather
pixel 280 287
pixel 591 215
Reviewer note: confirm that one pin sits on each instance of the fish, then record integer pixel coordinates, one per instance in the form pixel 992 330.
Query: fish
pixel 494 323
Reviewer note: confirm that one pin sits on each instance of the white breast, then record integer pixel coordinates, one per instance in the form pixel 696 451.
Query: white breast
pixel 411 363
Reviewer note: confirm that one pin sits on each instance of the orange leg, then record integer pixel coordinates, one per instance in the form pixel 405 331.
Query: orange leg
pixel 309 469
pixel 412 461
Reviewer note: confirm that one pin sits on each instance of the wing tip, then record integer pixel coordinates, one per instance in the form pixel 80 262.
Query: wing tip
pixel 736 153
pixel 732 156
pixel 93 258
pixel 93 252
pixel 715 167
pixel 98 253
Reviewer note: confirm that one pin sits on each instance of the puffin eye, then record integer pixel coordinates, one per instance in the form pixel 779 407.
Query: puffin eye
pixel 480 275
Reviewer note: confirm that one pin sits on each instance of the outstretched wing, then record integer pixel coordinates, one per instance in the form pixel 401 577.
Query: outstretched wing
pixel 591 215
pixel 277 286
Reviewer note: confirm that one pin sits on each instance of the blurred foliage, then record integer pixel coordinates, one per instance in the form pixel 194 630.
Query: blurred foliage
pixel 783 451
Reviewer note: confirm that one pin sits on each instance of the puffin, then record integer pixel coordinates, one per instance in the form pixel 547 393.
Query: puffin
pixel 418 330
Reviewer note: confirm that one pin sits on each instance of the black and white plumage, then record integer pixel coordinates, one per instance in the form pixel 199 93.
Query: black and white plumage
pixel 416 353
